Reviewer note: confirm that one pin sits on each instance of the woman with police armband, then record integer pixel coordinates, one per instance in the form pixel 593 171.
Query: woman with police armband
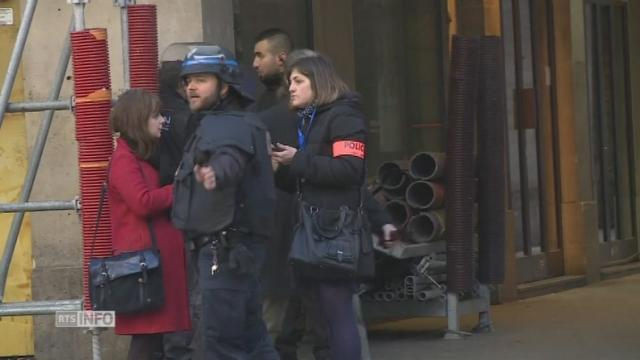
pixel 329 168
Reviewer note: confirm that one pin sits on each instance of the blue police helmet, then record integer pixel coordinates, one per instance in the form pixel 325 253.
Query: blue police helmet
pixel 212 59
pixel 217 60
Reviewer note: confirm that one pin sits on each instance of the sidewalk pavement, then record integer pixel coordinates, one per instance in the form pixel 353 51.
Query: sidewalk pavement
pixel 601 321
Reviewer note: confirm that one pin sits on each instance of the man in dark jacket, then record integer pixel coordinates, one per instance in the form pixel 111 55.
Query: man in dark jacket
pixel 176 110
pixel 238 169
pixel 271 49
pixel 283 311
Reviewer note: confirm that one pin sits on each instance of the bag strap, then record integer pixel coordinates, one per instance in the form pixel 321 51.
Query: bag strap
pixel 103 193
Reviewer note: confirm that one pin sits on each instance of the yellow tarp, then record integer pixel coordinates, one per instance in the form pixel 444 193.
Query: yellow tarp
pixel 17 332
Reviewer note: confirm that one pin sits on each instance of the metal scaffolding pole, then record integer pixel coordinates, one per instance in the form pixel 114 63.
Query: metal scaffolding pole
pixel 453 317
pixel 96 345
pixel 78 13
pixel 40 206
pixel 34 163
pixel 124 24
pixel 16 56
pixel 485 324
pixel 20 107
pixel 39 307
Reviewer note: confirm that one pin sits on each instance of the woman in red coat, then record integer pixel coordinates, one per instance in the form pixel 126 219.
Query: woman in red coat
pixel 136 197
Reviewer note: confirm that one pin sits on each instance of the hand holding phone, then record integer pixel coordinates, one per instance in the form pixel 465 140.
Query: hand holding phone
pixel 277 147
pixel 283 153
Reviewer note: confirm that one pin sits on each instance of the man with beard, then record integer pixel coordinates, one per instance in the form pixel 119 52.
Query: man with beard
pixel 223 200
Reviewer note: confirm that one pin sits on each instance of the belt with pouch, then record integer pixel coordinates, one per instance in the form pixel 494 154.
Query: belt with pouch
pixel 226 238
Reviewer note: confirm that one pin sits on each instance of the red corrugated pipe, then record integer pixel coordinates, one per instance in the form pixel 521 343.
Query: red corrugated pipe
pixel 92 88
pixel 143 47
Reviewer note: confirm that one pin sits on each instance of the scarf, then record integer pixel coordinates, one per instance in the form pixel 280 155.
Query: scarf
pixel 304 115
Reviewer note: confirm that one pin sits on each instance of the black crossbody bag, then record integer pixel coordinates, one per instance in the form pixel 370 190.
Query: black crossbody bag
pixel 332 243
pixel 126 283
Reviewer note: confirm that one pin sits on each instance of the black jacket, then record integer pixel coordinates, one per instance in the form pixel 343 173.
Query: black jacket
pixel 169 153
pixel 275 91
pixel 282 123
pixel 376 214
pixel 326 179
pixel 243 162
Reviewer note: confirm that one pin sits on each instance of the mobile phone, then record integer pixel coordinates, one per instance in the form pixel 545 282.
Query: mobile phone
pixel 276 147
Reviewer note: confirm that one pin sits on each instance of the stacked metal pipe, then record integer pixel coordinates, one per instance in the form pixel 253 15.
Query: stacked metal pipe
pixel 143 47
pixel 425 282
pixel 415 196
pixel 92 88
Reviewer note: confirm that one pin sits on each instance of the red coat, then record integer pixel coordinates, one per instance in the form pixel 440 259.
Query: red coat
pixel 132 199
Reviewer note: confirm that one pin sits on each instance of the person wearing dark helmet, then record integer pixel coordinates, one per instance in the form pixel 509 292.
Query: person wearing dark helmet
pixel 224 203
pixel 213 82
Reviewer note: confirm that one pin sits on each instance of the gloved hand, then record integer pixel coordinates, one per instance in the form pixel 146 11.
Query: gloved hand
pixel 390 235
pixel 241 260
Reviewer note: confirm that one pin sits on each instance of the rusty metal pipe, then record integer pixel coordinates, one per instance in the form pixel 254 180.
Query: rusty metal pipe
pixel 427 165
pixel 436 267
pixel 388 296
pixel 424 195
pixel 426 227
pixel 426 295
pixel 393 179
pixel 399 211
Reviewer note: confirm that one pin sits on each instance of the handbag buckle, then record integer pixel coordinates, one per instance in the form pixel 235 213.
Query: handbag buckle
pixel 340 255
pixel 313 209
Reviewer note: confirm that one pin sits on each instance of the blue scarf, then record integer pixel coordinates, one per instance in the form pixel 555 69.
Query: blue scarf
pixel 305 117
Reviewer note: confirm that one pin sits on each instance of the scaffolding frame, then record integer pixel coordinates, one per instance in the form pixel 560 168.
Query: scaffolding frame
pixel 48 107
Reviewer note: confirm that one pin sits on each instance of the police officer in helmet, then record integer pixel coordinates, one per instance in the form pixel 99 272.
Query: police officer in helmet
pixel 213 82
pixel 223 200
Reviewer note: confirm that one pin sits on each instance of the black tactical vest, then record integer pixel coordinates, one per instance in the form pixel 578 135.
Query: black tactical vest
pixel 247 205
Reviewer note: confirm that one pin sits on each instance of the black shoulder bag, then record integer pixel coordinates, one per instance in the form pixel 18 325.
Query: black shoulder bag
pixel 332 244
pixel 127 283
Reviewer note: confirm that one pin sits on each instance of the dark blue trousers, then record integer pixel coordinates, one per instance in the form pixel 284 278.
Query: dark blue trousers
pixel 231 321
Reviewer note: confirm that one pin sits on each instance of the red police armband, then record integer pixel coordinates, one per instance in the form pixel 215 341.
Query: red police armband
pixel 349 148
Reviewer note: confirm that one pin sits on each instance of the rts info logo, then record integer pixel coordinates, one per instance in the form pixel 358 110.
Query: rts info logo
pixel 88 319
